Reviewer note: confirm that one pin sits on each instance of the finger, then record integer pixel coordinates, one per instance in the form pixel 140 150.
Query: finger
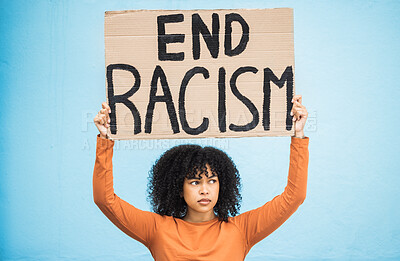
pixel 298 114
pixel 301 115
pixel 99 121
pixel 295 116
pixel 104 105
pixel 103 120
pixel 304 114
pixel 296 106
pixel 294 110
pixel 297 98
pixel 299 111
pixel 96 119
pixel 106 113
pixel 107 110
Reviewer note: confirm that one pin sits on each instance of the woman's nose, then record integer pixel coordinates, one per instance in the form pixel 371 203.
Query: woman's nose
pixel 203 189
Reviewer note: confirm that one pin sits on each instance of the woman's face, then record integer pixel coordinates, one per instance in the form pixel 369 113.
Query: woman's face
pixel 201 194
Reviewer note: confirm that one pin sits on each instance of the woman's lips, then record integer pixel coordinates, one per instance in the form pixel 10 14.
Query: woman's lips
pixel 204 201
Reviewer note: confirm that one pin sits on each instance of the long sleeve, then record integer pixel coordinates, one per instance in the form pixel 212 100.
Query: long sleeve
pixel 259 223
pixel 136 223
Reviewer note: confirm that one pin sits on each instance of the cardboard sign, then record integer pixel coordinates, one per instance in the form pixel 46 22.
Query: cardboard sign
pixel 199 73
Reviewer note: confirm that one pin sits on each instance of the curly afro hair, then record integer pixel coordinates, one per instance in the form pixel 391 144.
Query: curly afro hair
pixel 167 175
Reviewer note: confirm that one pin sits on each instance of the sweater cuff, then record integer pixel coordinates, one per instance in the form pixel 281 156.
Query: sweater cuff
pixel 300 142
pixel 104 143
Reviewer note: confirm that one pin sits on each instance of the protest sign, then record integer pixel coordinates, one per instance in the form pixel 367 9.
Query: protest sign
pixel 199 73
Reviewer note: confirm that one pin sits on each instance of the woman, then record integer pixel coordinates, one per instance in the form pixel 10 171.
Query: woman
pixel 195 196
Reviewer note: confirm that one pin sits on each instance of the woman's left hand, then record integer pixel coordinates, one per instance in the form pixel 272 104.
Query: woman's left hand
pixel 299 113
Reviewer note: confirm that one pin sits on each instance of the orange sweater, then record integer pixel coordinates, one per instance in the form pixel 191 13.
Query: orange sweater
pixel 174 239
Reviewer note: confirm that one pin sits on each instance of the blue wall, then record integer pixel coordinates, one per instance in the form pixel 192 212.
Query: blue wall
pixel 52 85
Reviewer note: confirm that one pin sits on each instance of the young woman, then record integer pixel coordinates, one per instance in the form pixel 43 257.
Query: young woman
pixel 194 193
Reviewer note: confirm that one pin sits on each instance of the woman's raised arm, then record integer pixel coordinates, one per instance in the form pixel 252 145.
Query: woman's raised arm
pixel 258 223
pixel 136 223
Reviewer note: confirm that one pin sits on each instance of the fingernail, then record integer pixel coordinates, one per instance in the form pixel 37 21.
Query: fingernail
pixel 109 111
pixel 109 120
pixel 291 113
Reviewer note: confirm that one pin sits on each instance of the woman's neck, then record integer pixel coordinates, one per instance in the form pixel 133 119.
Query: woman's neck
pixel 197 218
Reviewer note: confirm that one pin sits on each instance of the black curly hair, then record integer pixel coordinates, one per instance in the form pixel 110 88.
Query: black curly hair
pixel 167 175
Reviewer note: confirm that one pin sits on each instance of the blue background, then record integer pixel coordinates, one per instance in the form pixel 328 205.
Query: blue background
pixel 52 85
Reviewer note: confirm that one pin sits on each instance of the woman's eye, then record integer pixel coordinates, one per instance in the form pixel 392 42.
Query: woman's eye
pixel 194 182
pixel 213 181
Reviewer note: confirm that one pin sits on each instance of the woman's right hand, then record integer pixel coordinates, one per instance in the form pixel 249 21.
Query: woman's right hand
pixel 102 120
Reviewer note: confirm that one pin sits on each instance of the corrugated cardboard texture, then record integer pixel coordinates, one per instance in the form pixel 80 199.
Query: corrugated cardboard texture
pixel 132 41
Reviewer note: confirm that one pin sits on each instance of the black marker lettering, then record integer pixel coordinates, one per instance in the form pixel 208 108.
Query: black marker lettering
pixel 269 76
pixel 229 18
pixel 221 100
pixel 212 41
pixel 167 98
pixel 164 39
pixel 123 98
pixel 252 108
pixel 182 111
